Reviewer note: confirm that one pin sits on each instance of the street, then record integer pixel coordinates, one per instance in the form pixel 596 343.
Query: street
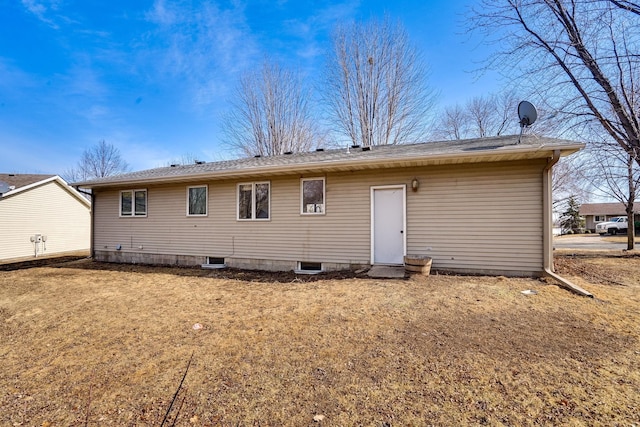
pixel 586 241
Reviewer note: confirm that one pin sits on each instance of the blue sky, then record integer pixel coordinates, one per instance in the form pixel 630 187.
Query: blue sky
pixel 152 77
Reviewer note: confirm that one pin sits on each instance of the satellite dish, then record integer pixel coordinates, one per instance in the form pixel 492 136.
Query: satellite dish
pixel 527 113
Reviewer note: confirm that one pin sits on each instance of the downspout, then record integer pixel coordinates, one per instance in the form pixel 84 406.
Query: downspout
pixel 547 229
pixel 93 221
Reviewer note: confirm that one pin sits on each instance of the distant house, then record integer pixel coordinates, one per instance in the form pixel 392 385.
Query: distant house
pixel 477 206
pixel 601 212
pixel 41 215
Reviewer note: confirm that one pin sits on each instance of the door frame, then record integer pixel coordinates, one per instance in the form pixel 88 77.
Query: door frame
pixel 403 187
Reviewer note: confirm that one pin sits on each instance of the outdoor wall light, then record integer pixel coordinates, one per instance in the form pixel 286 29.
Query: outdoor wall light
pixel 415 184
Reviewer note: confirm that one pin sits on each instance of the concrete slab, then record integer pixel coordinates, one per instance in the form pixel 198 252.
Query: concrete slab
pixel 386 272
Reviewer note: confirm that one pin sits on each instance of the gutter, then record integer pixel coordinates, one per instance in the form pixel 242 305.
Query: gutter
pixel 547 229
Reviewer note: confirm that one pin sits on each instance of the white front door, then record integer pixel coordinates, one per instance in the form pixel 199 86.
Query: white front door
pixel 388 224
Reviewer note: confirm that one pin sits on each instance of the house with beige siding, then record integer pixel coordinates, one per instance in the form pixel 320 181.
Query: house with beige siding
pixel 41 215
pixel 473 206
pixel 595 213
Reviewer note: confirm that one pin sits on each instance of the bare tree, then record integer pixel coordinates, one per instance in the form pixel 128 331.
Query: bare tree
pixel 568 182
pixel 615 174
pixel 270 114
pixel 582 55
pixel 505 108
pixel 452 124
pixel 376 89
pixel 480 117
pixel 481 111
pixel 99 161
pixel 627 5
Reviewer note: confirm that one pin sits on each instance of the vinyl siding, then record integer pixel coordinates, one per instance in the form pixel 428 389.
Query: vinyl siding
pixel 49 210
pixel 480 217
pixel 287 235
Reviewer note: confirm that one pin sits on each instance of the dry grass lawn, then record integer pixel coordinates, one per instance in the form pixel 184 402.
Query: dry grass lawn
pixel 619 238
pixel 85 343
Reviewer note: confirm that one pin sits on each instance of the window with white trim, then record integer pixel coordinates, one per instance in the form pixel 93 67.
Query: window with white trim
pixel 312 196
pixel 254 200
pixel 133 203
pixel 197 200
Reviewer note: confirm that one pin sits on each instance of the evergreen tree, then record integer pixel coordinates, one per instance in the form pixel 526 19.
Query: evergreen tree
pixel 571 219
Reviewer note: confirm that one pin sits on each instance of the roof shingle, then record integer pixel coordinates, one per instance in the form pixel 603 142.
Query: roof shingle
pixel 22 180
pixel 605 209
pixel 344 159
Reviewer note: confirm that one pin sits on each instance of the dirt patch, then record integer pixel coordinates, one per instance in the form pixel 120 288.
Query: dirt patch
pixel 226 273
pixel 40 262
pixel 87 343
pixel 619 269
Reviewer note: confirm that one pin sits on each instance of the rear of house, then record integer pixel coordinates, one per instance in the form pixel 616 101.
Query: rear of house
pixel 473 206
pixel 41 215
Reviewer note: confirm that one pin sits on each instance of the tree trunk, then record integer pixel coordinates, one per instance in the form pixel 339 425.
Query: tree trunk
pixel 631 226
pixel 631 232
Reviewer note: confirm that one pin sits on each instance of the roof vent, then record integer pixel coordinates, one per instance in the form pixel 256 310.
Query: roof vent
pixel 355 146
pixel 257 155
pixel 288 152
pixel 173 165
pixel 319 149
pixel 198 162
pixel 367 148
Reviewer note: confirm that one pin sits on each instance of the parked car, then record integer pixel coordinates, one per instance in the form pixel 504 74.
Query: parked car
pixel 614 226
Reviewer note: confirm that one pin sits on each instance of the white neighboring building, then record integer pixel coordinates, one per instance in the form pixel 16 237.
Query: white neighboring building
pixel 41 215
